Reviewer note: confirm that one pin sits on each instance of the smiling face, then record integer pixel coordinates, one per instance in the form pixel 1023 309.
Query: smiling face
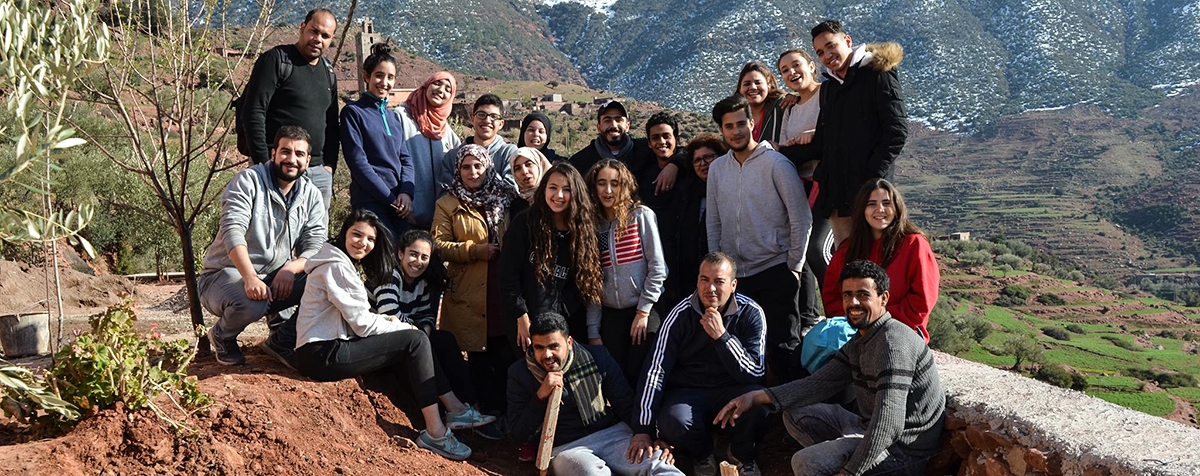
pixel 525 170
pixel 414 260
pixel 753 86
pixel 880 212
pixel 551 350
pixel 535 134
pixel 316 35
pixel 289 159
pixel 613 126
pixel 380 81
pixel 863 304
pixel 608 187
pixel 716 284
pixel 360 240
pixel 835 51
pixel 662 140
pixel 487 120
pixel 558 193
pixel 799 74
pixel 439 93
pixel 701 159
pixel 471 171
pixel 736 128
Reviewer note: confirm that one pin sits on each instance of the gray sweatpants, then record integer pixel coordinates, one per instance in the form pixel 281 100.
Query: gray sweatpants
pixel 223 293
pixel 603 453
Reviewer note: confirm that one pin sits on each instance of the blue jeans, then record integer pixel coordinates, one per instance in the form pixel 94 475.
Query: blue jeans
pixel 603 453
pixel 830 435
pixel 323 180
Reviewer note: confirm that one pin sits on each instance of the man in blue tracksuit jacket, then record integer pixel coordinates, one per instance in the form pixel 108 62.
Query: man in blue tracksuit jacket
pixel 710 349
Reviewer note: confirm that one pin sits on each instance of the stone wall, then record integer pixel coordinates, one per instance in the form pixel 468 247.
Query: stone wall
pixel 1000 423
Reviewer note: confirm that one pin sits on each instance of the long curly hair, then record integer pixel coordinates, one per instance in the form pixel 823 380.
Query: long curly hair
pixel 581 224
pixel 626 196
pixel 861 239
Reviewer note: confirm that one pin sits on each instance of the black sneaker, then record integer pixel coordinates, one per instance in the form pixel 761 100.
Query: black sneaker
pixel 226 351
pixel 285 356
pixel 489 432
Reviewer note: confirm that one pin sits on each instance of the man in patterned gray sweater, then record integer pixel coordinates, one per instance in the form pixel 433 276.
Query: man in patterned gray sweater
pixel 900 400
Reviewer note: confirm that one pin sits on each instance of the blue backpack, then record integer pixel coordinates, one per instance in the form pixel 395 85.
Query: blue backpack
pixel 824 340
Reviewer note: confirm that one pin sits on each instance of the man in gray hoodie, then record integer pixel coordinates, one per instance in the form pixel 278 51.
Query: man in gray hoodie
pixel 272 220
pixel 758 214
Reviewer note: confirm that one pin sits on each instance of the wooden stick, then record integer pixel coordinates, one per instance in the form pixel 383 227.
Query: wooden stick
pixel 549 424
pixel 728 469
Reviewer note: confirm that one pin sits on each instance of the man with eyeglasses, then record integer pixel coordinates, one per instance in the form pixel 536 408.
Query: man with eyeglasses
pixel 487 118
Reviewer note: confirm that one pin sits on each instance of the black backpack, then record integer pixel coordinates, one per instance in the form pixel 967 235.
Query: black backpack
pixel 284 71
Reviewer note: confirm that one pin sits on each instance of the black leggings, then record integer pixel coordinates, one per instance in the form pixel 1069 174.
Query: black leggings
pixel 489 371
pixel 404 352
pixel 450 363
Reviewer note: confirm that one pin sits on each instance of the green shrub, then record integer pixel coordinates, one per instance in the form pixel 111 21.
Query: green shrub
pixel 1010 260
pixel 1058 376
pixel 955 333
pixel 1163 379
pixel 1076 328
pixel 1057 333
pixel 1024 349
pixel 1122 343
pixel 976 258
pixel 1051 299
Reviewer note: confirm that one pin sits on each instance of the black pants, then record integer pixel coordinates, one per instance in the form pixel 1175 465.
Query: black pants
pixel 403 353
pixel 614 330
pixel 776 290
pixel 489 372
pixel 448 356
pixel 816 261
pixel 686 417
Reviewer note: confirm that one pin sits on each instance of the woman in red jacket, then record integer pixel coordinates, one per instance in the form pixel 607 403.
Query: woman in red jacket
pixel 882 234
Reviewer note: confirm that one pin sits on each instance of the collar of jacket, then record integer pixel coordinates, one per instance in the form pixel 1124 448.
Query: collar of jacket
pixel 379 104
pixel 731 308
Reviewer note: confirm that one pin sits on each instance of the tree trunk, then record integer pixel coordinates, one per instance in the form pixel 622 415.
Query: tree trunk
pixel 189 278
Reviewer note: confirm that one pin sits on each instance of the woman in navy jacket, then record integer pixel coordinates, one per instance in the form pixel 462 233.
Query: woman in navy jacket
pixel 381 170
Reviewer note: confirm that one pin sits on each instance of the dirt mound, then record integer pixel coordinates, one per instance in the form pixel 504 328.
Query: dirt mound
pixel 269 420
pixel 22 287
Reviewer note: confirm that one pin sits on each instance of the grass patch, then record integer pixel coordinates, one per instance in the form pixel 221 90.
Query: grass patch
pixel 1005 319
pixel 1191 394
pixel 1176 270
pixel 1082 360
pixel 981 355
pixel 1143 312
pixel 1157 404
pixel 1115 382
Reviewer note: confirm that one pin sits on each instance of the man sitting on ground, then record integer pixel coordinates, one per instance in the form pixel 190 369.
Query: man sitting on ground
pixel 591 435
pixel 710 348
pixel 900 400
pixel 272 220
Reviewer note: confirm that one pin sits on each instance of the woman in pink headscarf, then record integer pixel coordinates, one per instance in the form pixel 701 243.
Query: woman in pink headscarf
pixel 428 135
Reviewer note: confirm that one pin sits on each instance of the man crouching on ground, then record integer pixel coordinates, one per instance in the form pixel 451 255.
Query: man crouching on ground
pixel 591 437
pixel 901 405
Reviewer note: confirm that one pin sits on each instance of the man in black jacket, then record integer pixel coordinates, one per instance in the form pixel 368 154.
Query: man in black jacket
pixel 862 126
pixel 592 431
pixel 293 85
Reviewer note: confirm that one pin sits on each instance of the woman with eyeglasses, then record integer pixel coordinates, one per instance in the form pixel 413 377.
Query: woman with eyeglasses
pixel 692 242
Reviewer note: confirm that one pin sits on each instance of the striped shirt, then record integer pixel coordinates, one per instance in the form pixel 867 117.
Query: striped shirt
pixel 413 303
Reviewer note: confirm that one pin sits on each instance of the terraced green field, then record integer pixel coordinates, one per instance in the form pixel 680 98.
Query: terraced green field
pixel 1157 404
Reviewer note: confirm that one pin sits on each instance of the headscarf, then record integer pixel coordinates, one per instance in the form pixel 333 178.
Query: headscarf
pixel 540 161
pixel 432 120
pixel 492 198
pixel 535 116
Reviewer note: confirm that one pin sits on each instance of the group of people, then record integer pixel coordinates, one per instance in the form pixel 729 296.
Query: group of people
pixel 660 285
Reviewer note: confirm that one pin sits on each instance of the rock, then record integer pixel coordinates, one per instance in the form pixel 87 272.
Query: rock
pixel 403 442
pixel 1016 461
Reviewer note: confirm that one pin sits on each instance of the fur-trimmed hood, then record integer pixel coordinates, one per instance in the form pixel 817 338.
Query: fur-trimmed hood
pixel 884 56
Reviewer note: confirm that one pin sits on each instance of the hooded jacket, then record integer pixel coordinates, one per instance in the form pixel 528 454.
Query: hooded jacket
pixel 335 304
pixel 757 211
pixel 861 128
pixel 272 227
pixel 633 266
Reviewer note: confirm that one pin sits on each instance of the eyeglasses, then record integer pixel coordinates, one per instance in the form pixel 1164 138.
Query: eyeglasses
pixel 704 159
pixel 483 116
